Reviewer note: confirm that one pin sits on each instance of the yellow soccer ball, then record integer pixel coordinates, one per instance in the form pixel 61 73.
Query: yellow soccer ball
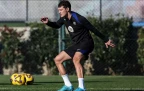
pixel 17 79
pixel 29 79
pixel 12 78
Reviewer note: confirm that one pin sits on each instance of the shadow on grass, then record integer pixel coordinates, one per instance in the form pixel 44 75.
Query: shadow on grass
pixel 56 82
pixel 73 82
pixel 5 84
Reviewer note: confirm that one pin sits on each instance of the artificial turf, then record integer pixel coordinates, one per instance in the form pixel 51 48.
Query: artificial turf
pixel 92 83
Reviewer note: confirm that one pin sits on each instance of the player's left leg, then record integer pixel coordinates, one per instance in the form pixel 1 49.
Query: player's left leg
pixel 79 70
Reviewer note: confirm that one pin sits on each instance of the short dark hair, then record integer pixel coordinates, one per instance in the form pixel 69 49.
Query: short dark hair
pixel 66 4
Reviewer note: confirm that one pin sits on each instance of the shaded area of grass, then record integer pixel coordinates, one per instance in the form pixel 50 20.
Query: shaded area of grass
pixel 13 24
pixel 92 83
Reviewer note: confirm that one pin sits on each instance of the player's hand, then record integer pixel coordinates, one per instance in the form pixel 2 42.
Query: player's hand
pixel 110 43
pixel 44 20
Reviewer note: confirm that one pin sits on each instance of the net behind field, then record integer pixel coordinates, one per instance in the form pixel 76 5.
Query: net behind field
pixel 33 10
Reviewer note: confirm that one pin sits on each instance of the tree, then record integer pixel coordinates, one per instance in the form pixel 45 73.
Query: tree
pixel 10 53
pixel 41 49
pixel 121 31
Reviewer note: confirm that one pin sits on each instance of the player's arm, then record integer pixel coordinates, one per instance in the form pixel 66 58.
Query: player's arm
pixel 90 27
pixel 57 24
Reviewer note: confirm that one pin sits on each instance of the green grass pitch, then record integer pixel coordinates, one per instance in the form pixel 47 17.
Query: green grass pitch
pixel 92 83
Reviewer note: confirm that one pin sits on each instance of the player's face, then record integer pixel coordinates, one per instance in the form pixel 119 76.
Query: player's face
pixel 63 11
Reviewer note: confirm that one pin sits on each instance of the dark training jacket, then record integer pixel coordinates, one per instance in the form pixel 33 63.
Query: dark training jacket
pixel 78 27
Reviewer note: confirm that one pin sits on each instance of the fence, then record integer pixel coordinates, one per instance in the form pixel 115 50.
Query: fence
pixel 33 10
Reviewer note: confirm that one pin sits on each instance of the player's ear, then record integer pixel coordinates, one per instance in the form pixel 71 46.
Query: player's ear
pixel 67 9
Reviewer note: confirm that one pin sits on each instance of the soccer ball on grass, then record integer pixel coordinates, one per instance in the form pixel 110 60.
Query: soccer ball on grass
pixel 17 79
pixel 21 79
pixel 29 79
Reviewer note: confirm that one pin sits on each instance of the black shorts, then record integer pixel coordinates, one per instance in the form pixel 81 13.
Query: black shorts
pixel 85 47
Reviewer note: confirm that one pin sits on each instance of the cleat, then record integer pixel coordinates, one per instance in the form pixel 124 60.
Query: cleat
pixel 66 88
pixel 79 89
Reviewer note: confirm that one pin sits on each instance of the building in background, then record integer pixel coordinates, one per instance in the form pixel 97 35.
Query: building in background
pixel 136 10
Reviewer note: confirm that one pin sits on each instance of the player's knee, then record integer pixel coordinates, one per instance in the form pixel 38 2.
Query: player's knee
pixel 57 60
pixel 76 59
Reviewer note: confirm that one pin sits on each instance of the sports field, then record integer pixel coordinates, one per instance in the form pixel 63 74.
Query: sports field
pixel 92 83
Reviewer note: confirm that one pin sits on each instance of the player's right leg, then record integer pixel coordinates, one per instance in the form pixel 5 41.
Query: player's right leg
pixel 59 59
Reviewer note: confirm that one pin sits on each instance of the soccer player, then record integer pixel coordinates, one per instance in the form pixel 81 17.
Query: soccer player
pixel 83 44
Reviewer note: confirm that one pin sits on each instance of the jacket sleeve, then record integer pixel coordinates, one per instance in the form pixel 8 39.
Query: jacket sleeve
pixel 90 27
pixel 57 24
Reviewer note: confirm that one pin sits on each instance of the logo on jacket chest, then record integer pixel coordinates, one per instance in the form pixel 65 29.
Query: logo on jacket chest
pixel 70 29
pixel 74 23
